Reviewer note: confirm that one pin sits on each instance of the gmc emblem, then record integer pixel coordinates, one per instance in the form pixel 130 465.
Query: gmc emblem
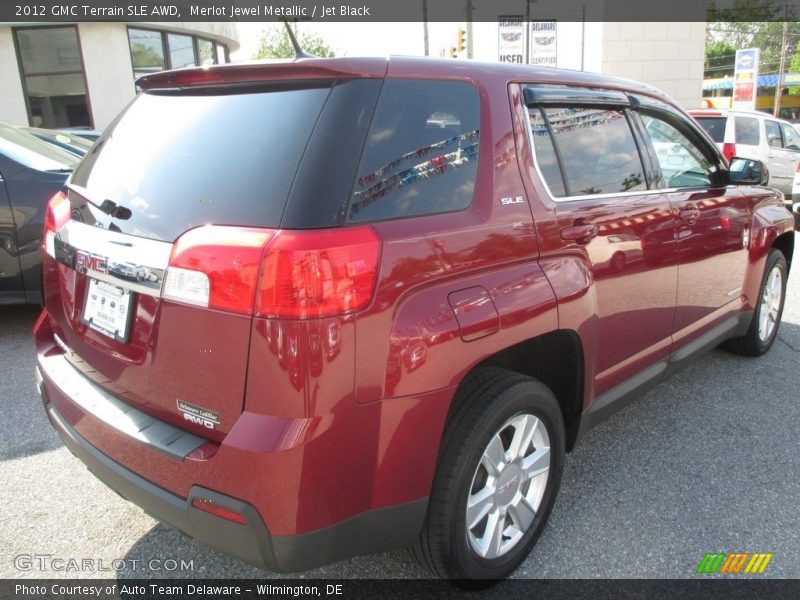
pixel 86 261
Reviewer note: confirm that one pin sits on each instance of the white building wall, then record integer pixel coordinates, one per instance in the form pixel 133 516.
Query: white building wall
pixel 12 99
pixel 109 74
pixel 668 56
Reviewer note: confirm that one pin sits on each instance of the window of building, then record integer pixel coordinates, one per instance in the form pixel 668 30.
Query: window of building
pixel 205 50
pixel 147 51
pixel 222 54
pixel 181 50
pixel 52 73
pixel 421 153
pixel 153 51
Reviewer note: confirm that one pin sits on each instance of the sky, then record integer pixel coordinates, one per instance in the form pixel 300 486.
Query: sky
pixel 359 39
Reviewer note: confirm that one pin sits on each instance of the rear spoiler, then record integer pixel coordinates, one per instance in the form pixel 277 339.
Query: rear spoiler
pixel 261 72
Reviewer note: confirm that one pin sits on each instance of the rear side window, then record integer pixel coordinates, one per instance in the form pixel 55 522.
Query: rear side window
pixel 182 160
pixel 747 131
pixel 714 126
pixel 421 152
pixel 596 148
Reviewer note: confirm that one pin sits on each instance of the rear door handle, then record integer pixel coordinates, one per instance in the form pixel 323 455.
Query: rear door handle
pixel 582 233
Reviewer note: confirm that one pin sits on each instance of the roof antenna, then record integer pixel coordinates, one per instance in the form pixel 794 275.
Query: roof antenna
pixel 298 51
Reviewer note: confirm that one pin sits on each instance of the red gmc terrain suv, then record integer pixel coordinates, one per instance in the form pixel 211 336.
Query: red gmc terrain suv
pixel 309 310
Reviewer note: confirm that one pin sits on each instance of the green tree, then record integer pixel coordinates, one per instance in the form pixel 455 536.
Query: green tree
pixel 752 24
pixel 720 57
pixel 145 57
pixel 275 43
pixel 794 68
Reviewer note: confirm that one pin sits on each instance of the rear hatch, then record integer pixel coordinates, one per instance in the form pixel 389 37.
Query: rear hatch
pixel 157 258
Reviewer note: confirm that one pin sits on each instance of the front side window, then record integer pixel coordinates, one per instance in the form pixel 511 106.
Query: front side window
pixel 681 161
pixel 52 71
pixel 421 152
pixel 791 139
pixel 596 148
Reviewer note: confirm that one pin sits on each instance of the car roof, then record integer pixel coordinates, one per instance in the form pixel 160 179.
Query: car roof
pixel 486 74
pixel 724 112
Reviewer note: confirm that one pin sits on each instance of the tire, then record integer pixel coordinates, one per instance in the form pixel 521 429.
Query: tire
pixel 493 406
pixel 767 316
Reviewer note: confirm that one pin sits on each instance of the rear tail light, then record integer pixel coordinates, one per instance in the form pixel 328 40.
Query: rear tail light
pixel 797 167
pixel 216 267
pixel 56 216
pixel 285 274
pixel 728 150
pixel 322 273
pixel 218 511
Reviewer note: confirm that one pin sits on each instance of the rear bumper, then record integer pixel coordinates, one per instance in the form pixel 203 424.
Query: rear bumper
pixel 264 470
pixel 374 531
pixel 249 542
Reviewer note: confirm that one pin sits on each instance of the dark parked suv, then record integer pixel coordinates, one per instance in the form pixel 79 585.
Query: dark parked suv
pixel 309 310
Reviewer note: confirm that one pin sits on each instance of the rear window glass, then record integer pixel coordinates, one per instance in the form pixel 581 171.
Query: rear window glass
pixel 715 126
pixel 178 161
pixel 747 131
pixel 421 151
pixel 597 150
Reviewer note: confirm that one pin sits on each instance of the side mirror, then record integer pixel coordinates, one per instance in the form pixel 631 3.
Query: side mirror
pixel 745 171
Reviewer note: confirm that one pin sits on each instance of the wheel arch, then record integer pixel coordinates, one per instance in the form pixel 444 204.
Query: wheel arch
pixel 555 359
pixel 785 243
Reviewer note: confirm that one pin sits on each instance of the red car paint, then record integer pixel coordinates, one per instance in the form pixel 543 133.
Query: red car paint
pixel 324 419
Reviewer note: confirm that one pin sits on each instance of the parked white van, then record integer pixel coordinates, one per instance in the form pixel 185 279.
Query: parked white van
pixel 759 136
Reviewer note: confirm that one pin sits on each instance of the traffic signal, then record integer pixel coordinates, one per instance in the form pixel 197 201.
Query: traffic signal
pixel 452 52
pixel 462 40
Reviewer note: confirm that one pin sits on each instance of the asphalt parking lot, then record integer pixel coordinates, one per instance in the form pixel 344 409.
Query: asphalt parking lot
pixel 706 462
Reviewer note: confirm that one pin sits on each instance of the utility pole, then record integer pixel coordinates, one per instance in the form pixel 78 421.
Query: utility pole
pixel 469 28
pixel 425 25
pixel 527 32
pixel 779 85
pixel 583 34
